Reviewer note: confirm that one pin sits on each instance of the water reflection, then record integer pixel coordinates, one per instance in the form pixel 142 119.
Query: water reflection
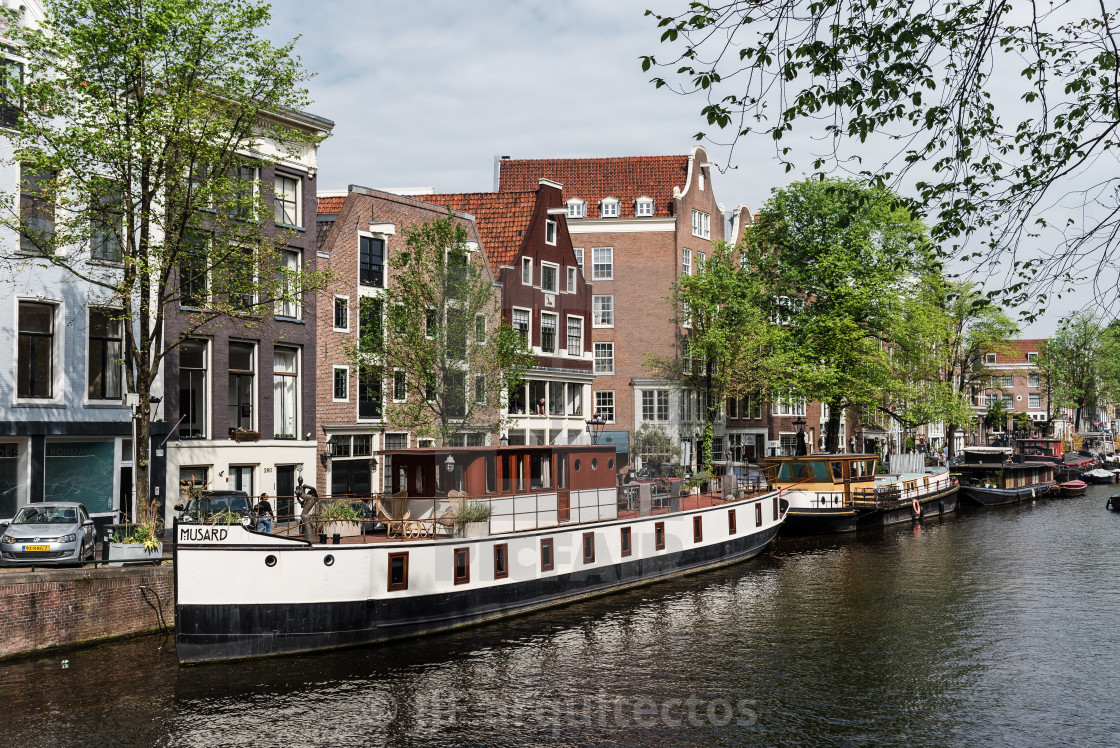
pixel 985 627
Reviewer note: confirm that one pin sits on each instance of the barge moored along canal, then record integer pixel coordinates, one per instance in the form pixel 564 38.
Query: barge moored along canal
pixel 557 532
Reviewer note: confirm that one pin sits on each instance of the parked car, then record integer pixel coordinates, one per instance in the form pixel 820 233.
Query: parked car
pixel 215 502
pixel 50 531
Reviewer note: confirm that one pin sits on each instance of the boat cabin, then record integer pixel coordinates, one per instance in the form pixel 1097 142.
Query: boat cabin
pixel 1007 475
pixel 986 455
pixel 1035 449
pixel 838 473
pixel 525 487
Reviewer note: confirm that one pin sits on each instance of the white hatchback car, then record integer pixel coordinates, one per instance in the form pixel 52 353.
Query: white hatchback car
pixel 49 531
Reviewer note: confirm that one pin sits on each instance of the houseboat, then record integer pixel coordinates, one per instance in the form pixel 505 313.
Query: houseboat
pixel 842 493
pixel 989 476
pixel 555 529
pixel 1067 466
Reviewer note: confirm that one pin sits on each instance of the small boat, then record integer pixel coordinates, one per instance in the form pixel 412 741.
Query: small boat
pixel 1113 503
pixel 556 529
pixel 842 492
pixel 1072 488
pixel 988 477
pixel 1099 476
pixel 1067 466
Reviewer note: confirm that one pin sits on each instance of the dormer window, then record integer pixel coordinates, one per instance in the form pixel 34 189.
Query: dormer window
pixel 577 208
pixel 609 207
pixel 1032 358
pixel 643 207
pixel 550 232
pixel 989 358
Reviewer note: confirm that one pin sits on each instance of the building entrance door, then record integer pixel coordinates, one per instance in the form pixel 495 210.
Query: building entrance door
pixel 285 491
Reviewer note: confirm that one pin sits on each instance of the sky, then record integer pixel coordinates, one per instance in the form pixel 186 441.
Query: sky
pixel 426 93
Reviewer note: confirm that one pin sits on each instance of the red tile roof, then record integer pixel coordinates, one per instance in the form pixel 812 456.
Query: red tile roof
pixel 1016 350
pixel 330 205
pixel 501 218
pixel 592 179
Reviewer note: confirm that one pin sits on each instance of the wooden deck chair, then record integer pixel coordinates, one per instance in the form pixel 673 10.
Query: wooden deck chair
pixel 446 521
pixel 393 511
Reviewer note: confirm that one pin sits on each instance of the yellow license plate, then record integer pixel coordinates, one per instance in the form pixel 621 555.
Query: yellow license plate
pixel 36 548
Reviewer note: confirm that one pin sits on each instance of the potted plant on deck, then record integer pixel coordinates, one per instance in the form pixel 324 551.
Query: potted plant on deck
pixel 343 518
pixel 472 520
pixel 139 541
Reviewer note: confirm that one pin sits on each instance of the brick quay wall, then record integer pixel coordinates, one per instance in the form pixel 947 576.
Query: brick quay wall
pixel 44 609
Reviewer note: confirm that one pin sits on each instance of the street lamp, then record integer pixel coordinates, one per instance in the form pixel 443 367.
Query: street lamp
pixel 595 427
pixel 449 464
pixel 504 441
pixel 800 424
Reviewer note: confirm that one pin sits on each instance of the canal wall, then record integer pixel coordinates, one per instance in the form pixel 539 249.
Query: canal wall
pixel 50 608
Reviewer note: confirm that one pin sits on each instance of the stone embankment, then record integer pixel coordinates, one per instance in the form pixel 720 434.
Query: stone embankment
pixel 44 609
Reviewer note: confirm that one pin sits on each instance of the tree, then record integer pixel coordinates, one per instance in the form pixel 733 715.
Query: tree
pixel 1072 359
pixel 728 347
pixel 950 328
pixel 838 260
pixel 654 446
pixel 996 164
pixel 997 415
pixel 140 128
pixel 442 353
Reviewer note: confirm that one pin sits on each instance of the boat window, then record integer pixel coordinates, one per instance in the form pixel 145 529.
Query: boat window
pixel 546 554
pixel 799 470
pixel 775 508
pixel 418 479
pixel 441 486
pixel 837 471
pixel 871 467
pixel 561 471
pixel 856 469
pixel 594 463
pixel 491 476
pixel 401 482
pixel 697 529
pixel 758 514
pixel 398 571
pixel 501 561
pixel 507 472
pixel 462 566
pixel 783 471
pixel 540 470
pixel 625 541
pixel 520 473
pixel 588 547
pixel 610 464
pixel 659 536
pixel 578 465
pixel 731 529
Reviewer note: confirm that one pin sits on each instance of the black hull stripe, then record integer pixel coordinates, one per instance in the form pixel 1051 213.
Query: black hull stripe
pixel 228 632
pixel 810 522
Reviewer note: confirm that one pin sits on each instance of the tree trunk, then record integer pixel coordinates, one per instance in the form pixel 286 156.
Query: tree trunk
pixel 950 441
pixel 832 428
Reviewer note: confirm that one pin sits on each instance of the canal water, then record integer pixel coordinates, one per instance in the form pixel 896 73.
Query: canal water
pixel 988 627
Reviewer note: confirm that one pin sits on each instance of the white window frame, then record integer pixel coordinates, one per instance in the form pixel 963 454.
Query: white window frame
pixel 334 303
pixel 596 311
pixel 610 207
pixel 555 332
pixel 551 230
pixel 700 258
pixel 643 207
pixel 578 252
pixel 1034 379
pixel 595 357
pixel 555 277
pixel 297 386
pixel 334 394
pixel 527 269
pixel 609 274
pixel 528 323
pixel 789 406
pixel 701 224
pixel 122 382
pixel 1006 380
pixel 1034 400
pixel 276 177
pixel 480 333
pixel 597 408
pixel 989 358
pixel 567 334
pixel 393 394
pixel 1032 357
pixel 281 306
pixel 686 261
pixel 577 208
pixel 572 276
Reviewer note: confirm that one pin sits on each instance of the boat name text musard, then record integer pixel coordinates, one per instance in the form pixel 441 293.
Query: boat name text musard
pixel 198 534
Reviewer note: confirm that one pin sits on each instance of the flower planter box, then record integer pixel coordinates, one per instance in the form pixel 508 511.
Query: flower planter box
pixel 476 529
pixel 245 436
pixel 133 552
pixel 344 529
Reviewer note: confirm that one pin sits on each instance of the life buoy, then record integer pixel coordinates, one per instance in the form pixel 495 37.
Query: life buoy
pixel 917 508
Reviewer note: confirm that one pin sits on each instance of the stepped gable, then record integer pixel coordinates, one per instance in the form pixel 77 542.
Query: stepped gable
pixel 591 179
pixel 501 218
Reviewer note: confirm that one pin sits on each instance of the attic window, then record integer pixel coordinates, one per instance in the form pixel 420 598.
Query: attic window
pixel 989 358
pixel 1032 358
pixel 550 232
pixel 577 208
pixel 608 207
pixel 643 207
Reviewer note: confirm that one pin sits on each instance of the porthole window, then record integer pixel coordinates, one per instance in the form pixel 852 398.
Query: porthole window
pixel 270 560
pixel 594 463
pixel 610 464
pixel 328 560
pixel 578 465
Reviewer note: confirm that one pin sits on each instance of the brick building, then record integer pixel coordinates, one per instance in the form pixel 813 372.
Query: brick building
pixel 359 232
pixel 1016 380
pixel 546 298
pixel 636 223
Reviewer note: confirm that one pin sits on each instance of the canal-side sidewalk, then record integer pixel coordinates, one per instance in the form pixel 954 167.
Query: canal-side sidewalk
pixel 49 608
